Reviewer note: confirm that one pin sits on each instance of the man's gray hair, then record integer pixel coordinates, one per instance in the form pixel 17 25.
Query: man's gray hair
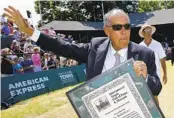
pixel 113 12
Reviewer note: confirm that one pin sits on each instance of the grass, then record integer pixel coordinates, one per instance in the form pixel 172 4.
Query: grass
pixel 56 104
pixel 38 105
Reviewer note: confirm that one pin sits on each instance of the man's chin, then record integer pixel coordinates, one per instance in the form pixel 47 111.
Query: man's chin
pixel 124 44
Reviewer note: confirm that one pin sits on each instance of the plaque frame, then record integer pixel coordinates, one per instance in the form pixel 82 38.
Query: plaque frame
pixel 125 69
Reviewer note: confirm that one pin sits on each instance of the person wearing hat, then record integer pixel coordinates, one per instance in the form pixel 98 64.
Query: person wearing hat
pixel 146 32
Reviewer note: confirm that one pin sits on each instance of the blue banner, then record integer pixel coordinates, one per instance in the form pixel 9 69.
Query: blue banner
pixel 21 87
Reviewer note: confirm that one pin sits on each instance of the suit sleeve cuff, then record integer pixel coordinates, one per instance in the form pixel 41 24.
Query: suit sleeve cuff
pixel 35 35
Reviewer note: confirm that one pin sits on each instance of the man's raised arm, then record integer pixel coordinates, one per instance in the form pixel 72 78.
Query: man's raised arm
pixel 59 47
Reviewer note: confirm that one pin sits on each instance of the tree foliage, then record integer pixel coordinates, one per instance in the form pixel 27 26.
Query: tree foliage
pixel 80 10
pixel 92 10
pixel 147 6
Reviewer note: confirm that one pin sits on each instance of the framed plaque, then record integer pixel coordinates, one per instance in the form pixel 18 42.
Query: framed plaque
pixel 116 93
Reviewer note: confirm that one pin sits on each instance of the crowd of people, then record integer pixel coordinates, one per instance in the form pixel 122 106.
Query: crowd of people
pixel 24 56
pixel 53 34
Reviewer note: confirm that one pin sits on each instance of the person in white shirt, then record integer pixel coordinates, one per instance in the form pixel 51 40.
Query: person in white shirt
pixel 146 32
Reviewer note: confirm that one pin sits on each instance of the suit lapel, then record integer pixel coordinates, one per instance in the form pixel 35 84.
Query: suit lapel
pixel 102 51
pixel 133 51
pixel 101 56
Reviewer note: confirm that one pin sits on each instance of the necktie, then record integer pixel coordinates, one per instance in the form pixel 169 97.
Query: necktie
pixel 117 59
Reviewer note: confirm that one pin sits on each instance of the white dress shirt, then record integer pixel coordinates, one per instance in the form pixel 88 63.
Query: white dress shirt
pixel 110 57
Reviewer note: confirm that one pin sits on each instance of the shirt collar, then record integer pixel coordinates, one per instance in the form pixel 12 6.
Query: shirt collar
pixel 121 52
pixel 150 43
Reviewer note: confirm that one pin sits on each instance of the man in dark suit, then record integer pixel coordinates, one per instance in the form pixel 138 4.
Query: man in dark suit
pixel 101 53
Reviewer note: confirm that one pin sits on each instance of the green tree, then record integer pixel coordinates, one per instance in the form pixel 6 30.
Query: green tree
pixel 147 6
pixel 80 10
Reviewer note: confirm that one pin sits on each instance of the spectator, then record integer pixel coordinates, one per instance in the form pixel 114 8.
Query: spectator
pixel 17 49
pixel 17 34
pixel 36 59
pixel 52 33
pixel 58 36
pixel 29 49
pixel 73 62
pixel 13 45
pixel 49 63
pixel 27 64
pixel 10 54
pixel 3 20
pixel 21 59
pixel 69 39
pixel 56 58
pixel 6 66
pixel 63 62
pixel 52 62
pixel 27 44
pixel 17 68
pixel 10 25
pixel 45 61
pixel 23 37
pixel 68 62
pixel 5 29
pixel 62 36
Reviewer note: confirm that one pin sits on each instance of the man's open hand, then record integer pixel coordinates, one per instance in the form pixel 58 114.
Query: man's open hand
pixel 16 17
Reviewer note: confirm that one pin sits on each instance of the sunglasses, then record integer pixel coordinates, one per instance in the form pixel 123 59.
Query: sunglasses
pixel 118 27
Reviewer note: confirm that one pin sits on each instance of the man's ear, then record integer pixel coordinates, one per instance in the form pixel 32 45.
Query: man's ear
pixel 106 30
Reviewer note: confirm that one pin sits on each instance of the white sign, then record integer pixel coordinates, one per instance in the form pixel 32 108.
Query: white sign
pixel 120 101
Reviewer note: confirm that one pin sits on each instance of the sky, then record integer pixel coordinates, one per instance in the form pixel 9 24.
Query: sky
pixel 22 6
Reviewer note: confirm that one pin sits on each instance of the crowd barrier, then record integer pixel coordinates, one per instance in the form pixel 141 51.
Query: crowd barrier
pixel 20 87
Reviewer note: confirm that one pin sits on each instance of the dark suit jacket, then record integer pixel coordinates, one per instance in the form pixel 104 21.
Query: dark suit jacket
pixel 94 54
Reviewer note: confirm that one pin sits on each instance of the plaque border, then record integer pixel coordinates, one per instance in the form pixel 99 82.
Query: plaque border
pixel 99 76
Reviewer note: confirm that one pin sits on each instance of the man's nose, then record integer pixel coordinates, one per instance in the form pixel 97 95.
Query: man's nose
pixel 123 30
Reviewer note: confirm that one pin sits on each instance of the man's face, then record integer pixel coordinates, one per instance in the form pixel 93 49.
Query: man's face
pixel 119 36
pixel 147 32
